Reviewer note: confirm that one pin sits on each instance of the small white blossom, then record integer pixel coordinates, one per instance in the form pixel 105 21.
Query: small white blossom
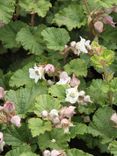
pixel 55 153
pixel 64 78
pixel 46 153
pixel 114 118
pixel 55 120
pixel 53 113
pixel 44 114
pixel 2 143
pixel 73 44
pixel 36 73
pixel 71 95
pixel 53 140
pixel 81 96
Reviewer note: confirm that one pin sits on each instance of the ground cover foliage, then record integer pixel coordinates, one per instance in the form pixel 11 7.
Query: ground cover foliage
pixel 58 78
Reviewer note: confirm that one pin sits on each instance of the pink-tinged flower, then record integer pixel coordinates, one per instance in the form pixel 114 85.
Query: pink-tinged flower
pixel 53 113
pixel 67 111
pixel 46 153
pixel 114 118
pixel 55 153
pixel 98 25
pixel 55 120
pixel 16 120
pixel 44 114
pixel 49 68
pixel 109 20
pixel 64 78
pixel 65 124
pixel 1 137
pixel 87 99
pixel 2 93
pixel 9 107
pixel 74 81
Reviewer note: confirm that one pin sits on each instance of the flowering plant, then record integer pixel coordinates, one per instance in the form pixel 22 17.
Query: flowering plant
pixel 58 78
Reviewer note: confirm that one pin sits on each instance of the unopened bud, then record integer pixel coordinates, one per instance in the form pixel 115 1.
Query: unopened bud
pixel 9 107
pixel 49 68
pixel 98 25
pixel 16 120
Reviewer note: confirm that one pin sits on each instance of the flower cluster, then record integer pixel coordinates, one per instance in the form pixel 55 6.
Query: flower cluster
pixel 38 72
pixel 73 96
pixel 61 118
pixel 54 152
pixel 83 46
pixel 66 79
pixel 8 114
pixel 2 143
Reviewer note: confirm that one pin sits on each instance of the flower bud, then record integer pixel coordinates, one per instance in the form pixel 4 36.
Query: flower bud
pixel 55 153
pixel 109 20
pixel 55 120
pixel 53 113
pixel 9 107
pixel 98 25
pixel 49 68
pixel 2 93
pixel 44 114
pixel 73 44
pixel 46 153
pixel 114 118
pixel 1 137
pixel 16 120
pixel 74 81
pixel 67 111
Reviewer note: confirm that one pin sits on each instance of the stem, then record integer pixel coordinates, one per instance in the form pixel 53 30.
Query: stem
pixel 33 19
pixel 86 6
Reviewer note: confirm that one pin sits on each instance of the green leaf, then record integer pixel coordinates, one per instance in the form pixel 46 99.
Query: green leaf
pixel 17 136
pixel 24 98
pixel 103 58
pixel 103 125
pixel 19 150
pixel 40 7
pixel 8 34
pixel 109 38
pixel 113 148
pixel 72 16
pixel 58 91
pixel 38 126
pixel 78 129
pixel 31 39
pixel 56 139
pixel 77 152
pixel 46 102
pixel 28 154
pixel 76 66
pixel 55 38
pixel 6 10
pixel 98 91
pixel 21 77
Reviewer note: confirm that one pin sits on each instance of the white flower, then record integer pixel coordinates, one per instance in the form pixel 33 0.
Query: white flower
pixel 83 45
pixel 44 114
pixel 71 95
pixel 64 78
pixel 53 113
pixel 36 73
pixel 2 143
pixel 81 96
pixel 73 44
pixel 55 153
pixel 114 118
pixel 46 153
